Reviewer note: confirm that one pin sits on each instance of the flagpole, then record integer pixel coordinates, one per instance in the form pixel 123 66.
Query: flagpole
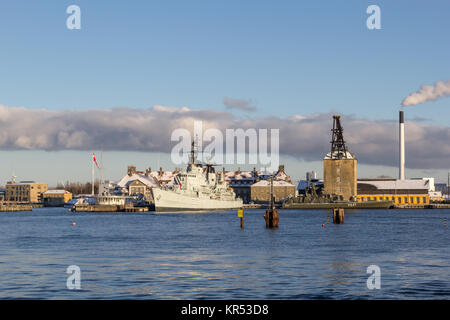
pixel 101 171
pixel 93 173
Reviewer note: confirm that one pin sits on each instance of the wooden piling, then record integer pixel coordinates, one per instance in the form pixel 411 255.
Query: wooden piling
pixel 338 215
pixel 271 215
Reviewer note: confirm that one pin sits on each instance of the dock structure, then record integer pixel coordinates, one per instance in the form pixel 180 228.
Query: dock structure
pixel 15 207
pixel 108 208
pixel 136 209
pixel 423 206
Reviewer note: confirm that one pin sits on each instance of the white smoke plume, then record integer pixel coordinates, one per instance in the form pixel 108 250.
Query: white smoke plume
pixel 426 93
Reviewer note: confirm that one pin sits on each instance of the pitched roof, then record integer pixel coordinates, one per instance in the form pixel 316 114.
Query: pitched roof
pixel 397 184
pixel 147 180
pixel 56 192
pixel 276 183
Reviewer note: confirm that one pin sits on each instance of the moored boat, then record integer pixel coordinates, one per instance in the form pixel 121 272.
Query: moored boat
pixel 197 188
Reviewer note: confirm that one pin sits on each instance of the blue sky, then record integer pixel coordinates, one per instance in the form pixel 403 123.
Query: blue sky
pixel 287 57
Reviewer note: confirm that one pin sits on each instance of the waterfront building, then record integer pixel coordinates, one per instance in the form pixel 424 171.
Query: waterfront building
pixel 401 192
pixel 25 191
pixel 141 182
pixel 283 187
pixel 111 200
pixel 242 182
pixel 260 191
pixel 136 182
pixel 55 198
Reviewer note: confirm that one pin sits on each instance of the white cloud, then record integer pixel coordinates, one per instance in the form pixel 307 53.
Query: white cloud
pixel 305 137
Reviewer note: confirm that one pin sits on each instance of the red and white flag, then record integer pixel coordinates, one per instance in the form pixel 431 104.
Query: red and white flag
pixel 95 160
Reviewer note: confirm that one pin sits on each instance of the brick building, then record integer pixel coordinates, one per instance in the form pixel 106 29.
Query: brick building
pixel 260 191
pixel 25 191
pixel 243 181
pixel 339 166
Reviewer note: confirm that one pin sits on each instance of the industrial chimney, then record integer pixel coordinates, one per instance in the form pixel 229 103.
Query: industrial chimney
pixel 401 174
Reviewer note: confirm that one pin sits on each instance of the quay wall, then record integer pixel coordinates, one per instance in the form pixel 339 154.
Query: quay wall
pixel 15 207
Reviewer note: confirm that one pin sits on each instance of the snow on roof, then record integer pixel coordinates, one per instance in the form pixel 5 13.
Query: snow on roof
pixel 148 181
pixel 56 192
pixel 163 176
pixel 303 184
pixel 281 175
pixel 348 155
pixel 397 184
pixel 276 183
pixel 243 175
pixel 22 183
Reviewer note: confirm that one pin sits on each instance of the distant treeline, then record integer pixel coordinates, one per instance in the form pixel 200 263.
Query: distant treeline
pixel 77 188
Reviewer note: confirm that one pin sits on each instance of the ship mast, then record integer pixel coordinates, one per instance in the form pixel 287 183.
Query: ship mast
pixel 271 193
pixel 192 156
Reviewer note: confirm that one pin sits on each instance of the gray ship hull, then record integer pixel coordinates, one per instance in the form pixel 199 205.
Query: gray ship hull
pixel 166 200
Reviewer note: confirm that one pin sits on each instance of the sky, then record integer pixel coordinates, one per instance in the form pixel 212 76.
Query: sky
pixel 260 64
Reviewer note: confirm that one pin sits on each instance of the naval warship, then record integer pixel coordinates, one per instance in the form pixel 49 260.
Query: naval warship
pixel 197 188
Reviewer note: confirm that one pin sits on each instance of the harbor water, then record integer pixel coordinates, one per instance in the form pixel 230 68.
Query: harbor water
pixel 208 255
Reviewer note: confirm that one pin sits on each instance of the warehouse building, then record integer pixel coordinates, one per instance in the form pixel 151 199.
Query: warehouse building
pixel 56 198
pixel 254 186
pixel 401 192
pixel 260 191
